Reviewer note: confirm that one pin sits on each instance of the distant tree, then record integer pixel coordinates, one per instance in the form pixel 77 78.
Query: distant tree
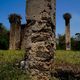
pixel 75 42
pixel 72 43
pixel 4 37
pixel 61 42
pixel 77 36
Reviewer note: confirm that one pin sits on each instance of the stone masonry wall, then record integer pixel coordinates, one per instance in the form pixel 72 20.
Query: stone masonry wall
pixel 39 39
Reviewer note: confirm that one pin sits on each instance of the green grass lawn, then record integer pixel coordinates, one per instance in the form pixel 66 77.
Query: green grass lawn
pixel 10 56
pixel 71 57
pixel 8 59
pixel 8 69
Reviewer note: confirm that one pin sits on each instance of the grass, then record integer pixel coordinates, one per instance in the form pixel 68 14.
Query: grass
pixel 8 59
pixel 8 69
pixel 67 63
pixel 10 56
pixel 71 57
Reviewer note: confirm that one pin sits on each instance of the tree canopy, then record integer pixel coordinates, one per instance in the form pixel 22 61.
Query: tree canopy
pixel 4 37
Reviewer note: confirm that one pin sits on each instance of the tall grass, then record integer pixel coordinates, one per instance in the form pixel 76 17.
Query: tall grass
pixel 71 57
pixel 9 58
pixel 8 68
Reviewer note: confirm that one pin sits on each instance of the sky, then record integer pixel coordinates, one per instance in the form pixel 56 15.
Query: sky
pixel 11 6
pixel 62 6
pixel 72 7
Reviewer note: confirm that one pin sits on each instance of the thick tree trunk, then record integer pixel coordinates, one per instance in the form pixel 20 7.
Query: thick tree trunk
pixel 39 39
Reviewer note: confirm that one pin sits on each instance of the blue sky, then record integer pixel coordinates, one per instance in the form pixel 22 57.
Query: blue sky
pixel 62 6
pixel 11 6
pixel 73 7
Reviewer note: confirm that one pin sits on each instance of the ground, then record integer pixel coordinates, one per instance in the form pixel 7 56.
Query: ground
pixel 69 60
pixel 10 70
pixel 9 67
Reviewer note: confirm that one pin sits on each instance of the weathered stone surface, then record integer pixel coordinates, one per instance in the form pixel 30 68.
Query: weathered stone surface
pixel 15 29
pixel 40 50
pixel 39 38
pixel 37 9
pixel 26 43
pixel 38 26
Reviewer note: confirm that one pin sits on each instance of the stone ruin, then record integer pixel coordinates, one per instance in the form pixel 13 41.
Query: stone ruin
pixel 15 30
pixel 18 30
pixel 67 18
pixel 36 37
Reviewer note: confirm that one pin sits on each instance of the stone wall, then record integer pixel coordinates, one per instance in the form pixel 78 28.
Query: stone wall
pixel 39 38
